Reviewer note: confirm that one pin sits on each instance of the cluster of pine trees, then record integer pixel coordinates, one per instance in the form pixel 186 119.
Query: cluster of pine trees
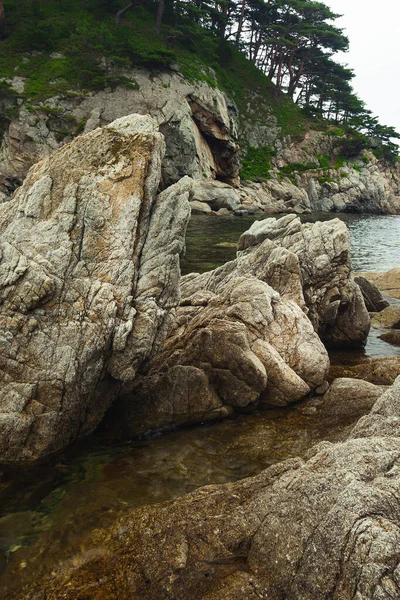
pixel 293 42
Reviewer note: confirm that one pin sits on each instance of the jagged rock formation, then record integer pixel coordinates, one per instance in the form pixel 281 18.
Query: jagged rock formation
pixel 369 189
pixel 323 274
pixel 325 528
pixel 242 337
pixel 362 185
pixel 201 126
pixel 198 122
pixel 89 275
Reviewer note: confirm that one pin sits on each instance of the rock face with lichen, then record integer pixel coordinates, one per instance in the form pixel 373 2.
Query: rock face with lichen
pixel 89 275
pixel 199 124
pixel 246 333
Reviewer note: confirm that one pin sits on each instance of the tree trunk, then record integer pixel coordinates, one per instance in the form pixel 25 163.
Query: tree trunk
pixel 1 18
pixel 160 12
pixel 240 24
pixel 121 13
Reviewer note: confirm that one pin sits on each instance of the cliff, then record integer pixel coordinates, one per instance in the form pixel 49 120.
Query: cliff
pixel 208 137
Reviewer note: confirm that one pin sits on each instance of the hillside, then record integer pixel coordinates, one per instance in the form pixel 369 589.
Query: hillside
pixel 66 70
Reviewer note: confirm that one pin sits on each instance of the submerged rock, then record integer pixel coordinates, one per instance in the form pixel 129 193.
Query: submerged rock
pixel 392 337
pixel 389 317
pixel 89 275
pixel 328 527
pixel 379 371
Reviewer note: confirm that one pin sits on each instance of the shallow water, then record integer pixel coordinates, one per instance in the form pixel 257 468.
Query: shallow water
pixel 87 484
pixel 375 240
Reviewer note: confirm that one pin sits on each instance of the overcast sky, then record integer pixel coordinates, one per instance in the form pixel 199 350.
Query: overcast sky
pixel 373 27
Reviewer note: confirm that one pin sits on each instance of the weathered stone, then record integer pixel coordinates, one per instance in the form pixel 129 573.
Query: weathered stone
pixel 254 345
pixel 199 124
pixel 380 371
pixel 389 317
pixel 201 208
pixel 348 397
pixel 388 282
pixel 335 304
pixel 321 529
pixel 89 276
pixel 243 346
pixel 216 194
pixel 392 337
pixel 373 299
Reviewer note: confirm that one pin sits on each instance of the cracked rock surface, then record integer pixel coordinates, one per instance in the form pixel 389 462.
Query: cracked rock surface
pixel 89 275
pixel 320 529
pixel 248 333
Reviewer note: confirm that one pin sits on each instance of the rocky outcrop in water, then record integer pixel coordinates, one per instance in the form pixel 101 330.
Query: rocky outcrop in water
pixel 89 275
pixel 327 527
pixel 299 184
pixel 202 127
pixel 388 281
pixel 246 333
pixel 374 301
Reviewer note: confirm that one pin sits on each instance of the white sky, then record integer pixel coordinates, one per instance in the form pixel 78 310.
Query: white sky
pixel 373 27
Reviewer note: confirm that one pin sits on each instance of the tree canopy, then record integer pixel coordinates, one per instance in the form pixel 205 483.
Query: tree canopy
pixel 293 42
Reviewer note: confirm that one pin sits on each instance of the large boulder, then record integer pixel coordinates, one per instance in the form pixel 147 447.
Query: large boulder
pixel 243 336
pixel 334 301
pixel 324 528
pixel 89 275
pixel 374 301
pixel 241 347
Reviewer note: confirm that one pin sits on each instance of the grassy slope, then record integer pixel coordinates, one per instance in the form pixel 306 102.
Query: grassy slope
pixel 61 49
pixel 60 26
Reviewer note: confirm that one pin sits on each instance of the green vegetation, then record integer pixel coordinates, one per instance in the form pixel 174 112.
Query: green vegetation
pixel 257 163
pixel 273 58
pixel 322 180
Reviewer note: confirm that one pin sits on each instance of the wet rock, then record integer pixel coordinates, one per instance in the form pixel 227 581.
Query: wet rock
pixel 388 282
pixel 348 398
pixel 389 317
pixel 328 527
pixel 392 337
pixel 373 298
pixel 379 371
pixel 89 276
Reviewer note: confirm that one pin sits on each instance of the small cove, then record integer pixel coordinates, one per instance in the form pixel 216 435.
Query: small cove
pixel 87 484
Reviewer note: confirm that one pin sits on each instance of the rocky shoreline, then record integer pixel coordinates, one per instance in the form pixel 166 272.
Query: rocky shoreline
pixel 94 313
